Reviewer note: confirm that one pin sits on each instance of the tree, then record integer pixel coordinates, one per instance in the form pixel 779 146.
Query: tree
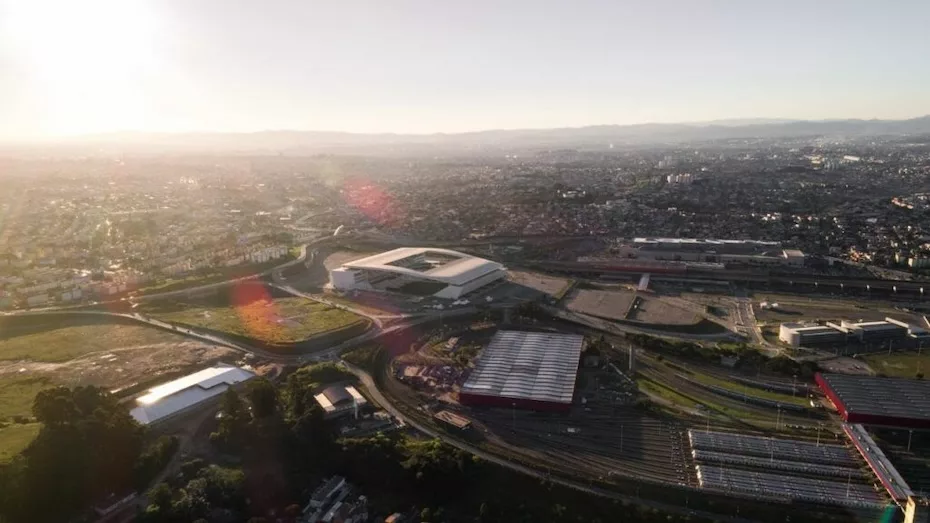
pixel 161 497
pixel 87 449
pixel 263 397
pixel 54 407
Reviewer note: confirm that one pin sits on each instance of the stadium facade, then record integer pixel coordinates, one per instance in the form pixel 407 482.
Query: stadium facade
pixel 527 370
pixel 439 272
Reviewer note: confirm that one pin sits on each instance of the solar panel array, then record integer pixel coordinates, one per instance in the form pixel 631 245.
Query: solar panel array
pixel 771 448
pixel 540 366
pixel 788 487
pixel 816 469
pixel 891 397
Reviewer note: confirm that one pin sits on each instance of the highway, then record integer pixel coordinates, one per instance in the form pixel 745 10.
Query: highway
pixel 383 402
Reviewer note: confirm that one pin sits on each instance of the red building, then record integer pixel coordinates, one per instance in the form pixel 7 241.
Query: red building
pixel 526 370
pixel 873 400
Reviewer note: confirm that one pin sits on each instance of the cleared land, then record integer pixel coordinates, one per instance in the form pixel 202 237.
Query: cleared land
pixel 71 342
pixel 606 304
pixel 900 364
pixel 111 356
pixel 796 308
pixel 279 320
pixel 543 283
pixel 655 310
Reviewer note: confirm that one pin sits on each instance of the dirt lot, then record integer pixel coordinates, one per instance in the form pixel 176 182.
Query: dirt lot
pixel 338 258
pixel 797 308
pixel 547 284
pixel 655 310
pixel 606 304
pixel 120 367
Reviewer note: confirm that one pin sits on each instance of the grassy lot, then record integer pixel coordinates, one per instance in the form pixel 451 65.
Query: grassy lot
pixel 282 320
pixel 67 343
pixel 15 438
pixel 666 393
pixel 17 393
pixel 748 391
pixel 900 364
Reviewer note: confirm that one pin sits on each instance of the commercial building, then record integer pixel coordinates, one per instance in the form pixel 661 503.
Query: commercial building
pixel 805 335
pixel 876 330
pixel 531 370
pixel 339 400
pixel 423 271
pixel 750 252
pixel 182 395
pixel 873 400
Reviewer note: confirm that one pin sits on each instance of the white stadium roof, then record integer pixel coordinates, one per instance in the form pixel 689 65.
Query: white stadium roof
pixel 176 396
pixel 539 366
pixel 462 269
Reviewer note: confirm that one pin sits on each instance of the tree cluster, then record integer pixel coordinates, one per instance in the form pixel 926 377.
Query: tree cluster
pixel 88 449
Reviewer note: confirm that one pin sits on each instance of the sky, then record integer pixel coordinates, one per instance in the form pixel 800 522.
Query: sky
pixel 410 66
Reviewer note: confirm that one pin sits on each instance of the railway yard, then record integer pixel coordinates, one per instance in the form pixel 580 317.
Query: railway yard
pixel 722 418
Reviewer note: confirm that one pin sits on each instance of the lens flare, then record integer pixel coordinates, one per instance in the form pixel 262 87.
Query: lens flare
pixel 373 201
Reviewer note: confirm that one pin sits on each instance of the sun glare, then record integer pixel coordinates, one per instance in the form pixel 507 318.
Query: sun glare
pixel 88 59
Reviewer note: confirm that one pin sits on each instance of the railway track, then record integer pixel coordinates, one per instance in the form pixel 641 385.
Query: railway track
pixel 627 444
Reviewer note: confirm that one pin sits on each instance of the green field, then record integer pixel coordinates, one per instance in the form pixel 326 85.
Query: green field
pixel 15 438
pixel 282 320
pixel 17 393
pixel 67 343
pixel 16 396
pixel 901 364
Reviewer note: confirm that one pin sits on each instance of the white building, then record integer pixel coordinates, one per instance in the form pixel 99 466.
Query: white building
pixel 184 394
pixel 802 335
pixel 438 272
pixel 337 400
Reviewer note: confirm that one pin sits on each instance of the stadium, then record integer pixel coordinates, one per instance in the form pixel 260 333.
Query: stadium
pixel 527 370
pixel 872 400
pixel 421 271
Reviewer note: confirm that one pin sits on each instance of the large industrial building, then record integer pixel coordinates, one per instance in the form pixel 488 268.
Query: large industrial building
pixel 529 370
pixel 182 395
pixel 803 335
pixel 889 329
pixel 750 252
pixel 873 400
pixel 425 271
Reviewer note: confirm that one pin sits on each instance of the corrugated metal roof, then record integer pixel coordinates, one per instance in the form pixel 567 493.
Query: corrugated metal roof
pixel 527 365
pixel 175 396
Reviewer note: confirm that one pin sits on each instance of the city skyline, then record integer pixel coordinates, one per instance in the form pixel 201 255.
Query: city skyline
pixel 105 66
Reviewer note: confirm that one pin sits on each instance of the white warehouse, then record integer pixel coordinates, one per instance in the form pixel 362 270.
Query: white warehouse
pixel 182 395
pixel 418 270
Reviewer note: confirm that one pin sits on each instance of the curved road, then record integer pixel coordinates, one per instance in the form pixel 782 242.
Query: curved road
pixel 379 398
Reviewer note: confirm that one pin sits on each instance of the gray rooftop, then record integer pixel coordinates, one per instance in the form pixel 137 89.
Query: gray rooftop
pixel 527 365
pixel 894 397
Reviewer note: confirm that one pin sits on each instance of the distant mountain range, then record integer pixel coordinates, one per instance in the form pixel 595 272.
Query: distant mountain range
pixel 575 137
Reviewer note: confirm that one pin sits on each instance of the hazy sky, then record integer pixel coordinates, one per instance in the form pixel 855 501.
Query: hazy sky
pixel 84 66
